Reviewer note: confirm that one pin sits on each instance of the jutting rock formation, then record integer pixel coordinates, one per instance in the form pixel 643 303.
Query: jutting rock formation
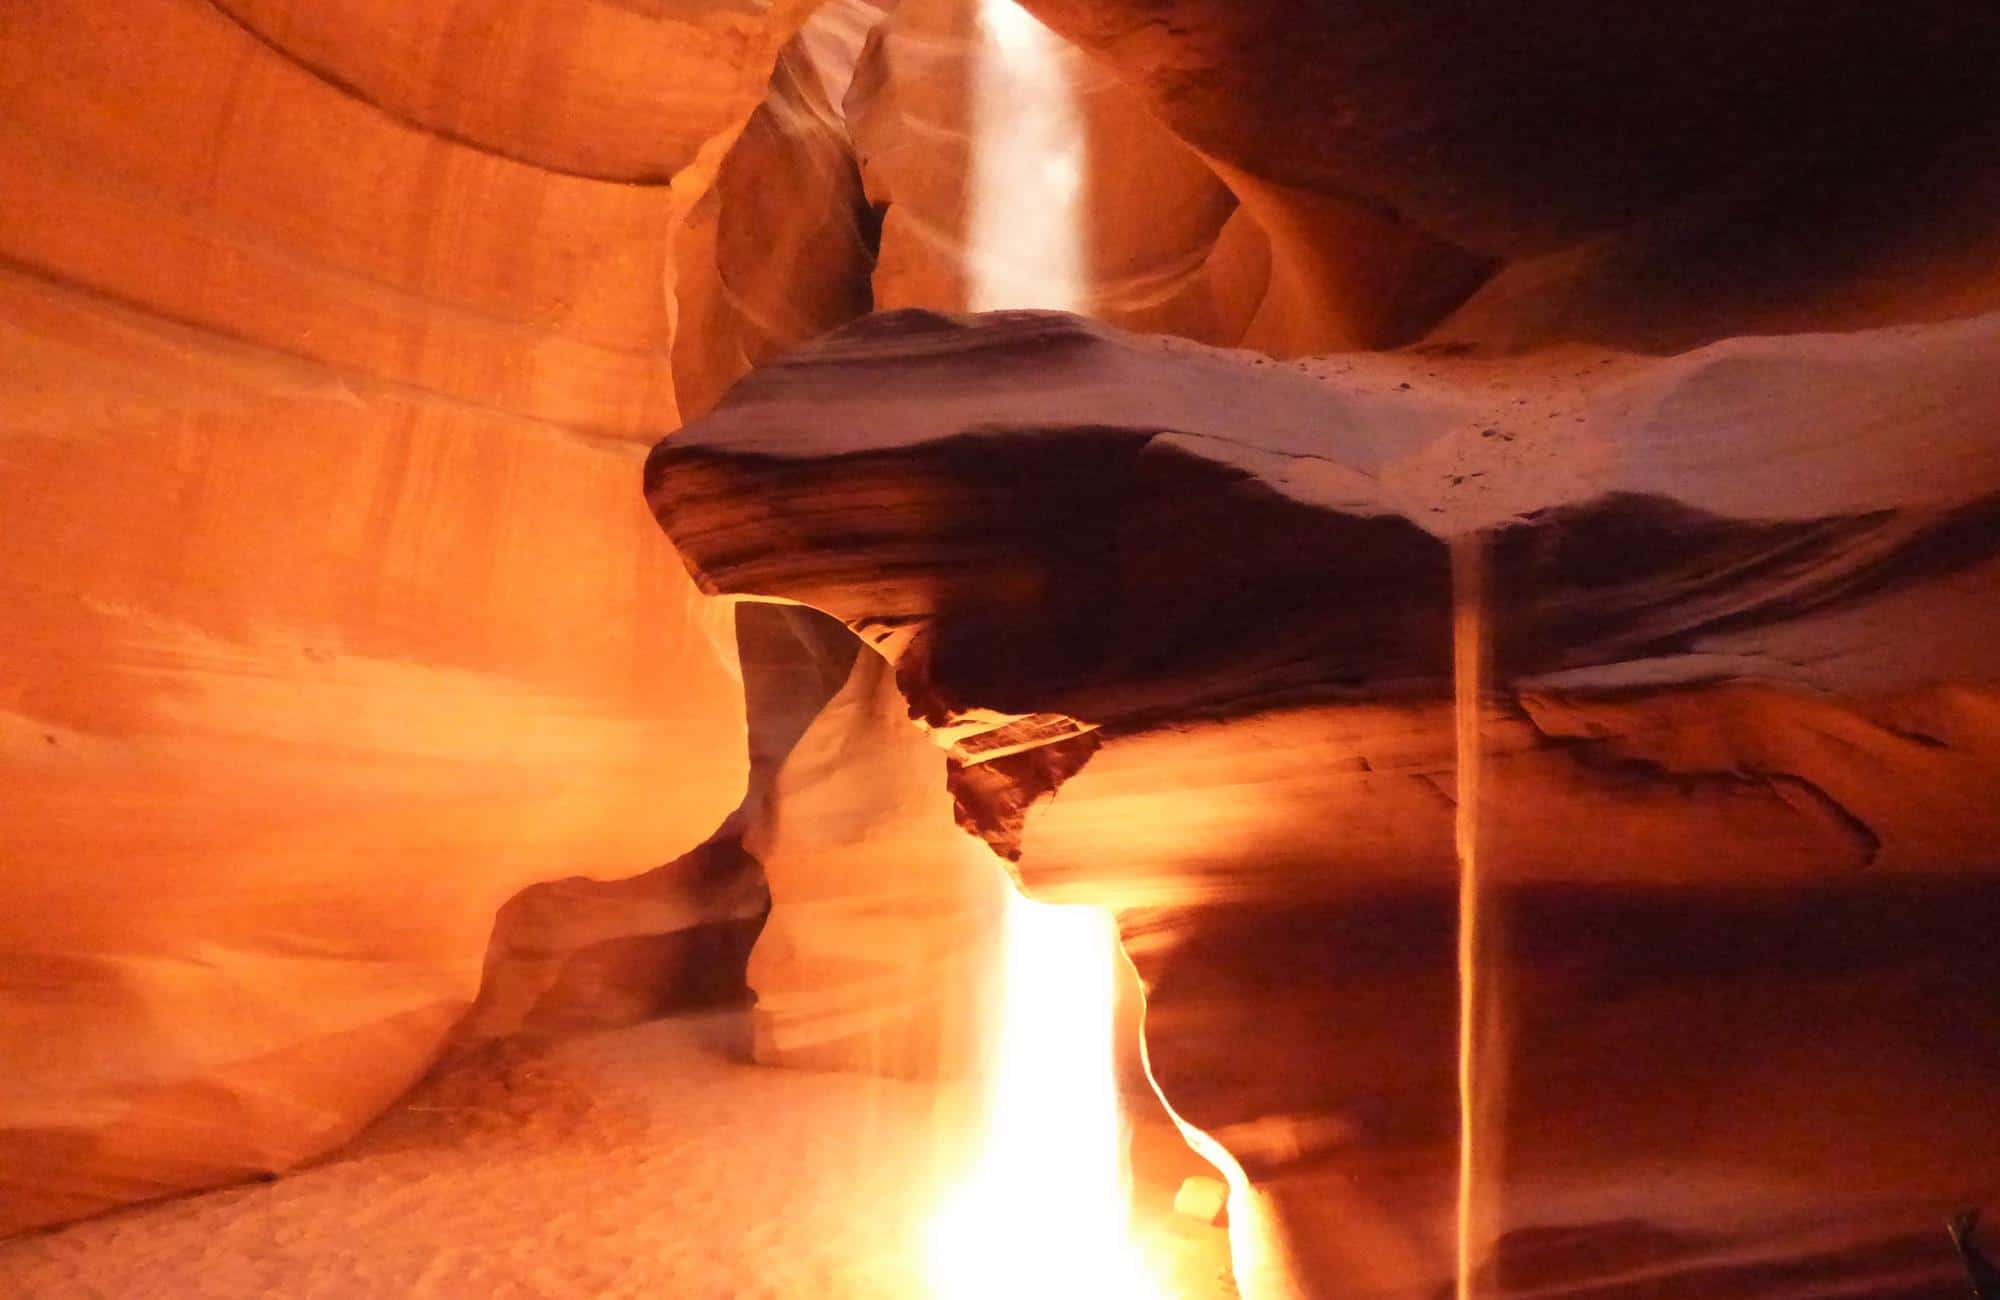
pixel 1182 621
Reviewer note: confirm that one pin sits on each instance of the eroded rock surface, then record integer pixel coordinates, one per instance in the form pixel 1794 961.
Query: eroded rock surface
pixel 881 951
pixel 329 335
pixel 577 954
pixel 1183 620
pixel 853 187
pixel 779 248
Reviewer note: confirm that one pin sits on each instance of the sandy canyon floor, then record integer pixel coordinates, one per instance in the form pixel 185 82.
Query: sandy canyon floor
pixel 640 1162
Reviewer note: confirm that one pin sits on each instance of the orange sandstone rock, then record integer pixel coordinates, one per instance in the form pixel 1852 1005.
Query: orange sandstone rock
pixel 329 336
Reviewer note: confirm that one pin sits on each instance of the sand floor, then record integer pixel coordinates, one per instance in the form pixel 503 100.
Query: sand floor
pixel 640 1162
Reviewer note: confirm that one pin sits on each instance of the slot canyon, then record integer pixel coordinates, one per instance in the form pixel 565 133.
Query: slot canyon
pixel 969 649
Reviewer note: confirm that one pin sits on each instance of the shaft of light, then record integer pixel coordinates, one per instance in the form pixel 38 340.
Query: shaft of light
pixel 1043 1213
pixel 1024 219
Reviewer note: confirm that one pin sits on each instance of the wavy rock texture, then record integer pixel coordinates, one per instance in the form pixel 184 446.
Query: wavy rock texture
pixel 611 91
pixel 848 190
pixel 779 248
pixel 576 954
pixel 1168 246
pixel 1183 621
pixel 330 332
pixel 1639 176
pixel 329 335
pixel 1156 254
pixel 880 952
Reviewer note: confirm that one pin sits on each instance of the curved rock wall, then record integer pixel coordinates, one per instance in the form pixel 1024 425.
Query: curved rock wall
pixel 779 249
pixel 332 335
pixel 1517 128
pixel 880 951
pixel 788 243
pixel 1154 253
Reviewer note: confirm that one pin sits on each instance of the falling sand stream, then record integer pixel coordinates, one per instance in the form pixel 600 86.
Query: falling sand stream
pixel 1480 1084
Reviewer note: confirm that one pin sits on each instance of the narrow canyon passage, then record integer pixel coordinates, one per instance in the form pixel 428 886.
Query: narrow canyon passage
pixel 956 649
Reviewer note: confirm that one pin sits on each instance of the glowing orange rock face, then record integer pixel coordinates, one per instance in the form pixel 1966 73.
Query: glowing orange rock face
pixel 332 618
pixel 880 950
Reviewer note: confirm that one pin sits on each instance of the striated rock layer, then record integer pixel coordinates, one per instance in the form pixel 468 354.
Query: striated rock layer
pixel 1183 621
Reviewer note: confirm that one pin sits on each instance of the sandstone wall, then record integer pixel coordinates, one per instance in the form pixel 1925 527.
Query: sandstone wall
pixel 333 335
